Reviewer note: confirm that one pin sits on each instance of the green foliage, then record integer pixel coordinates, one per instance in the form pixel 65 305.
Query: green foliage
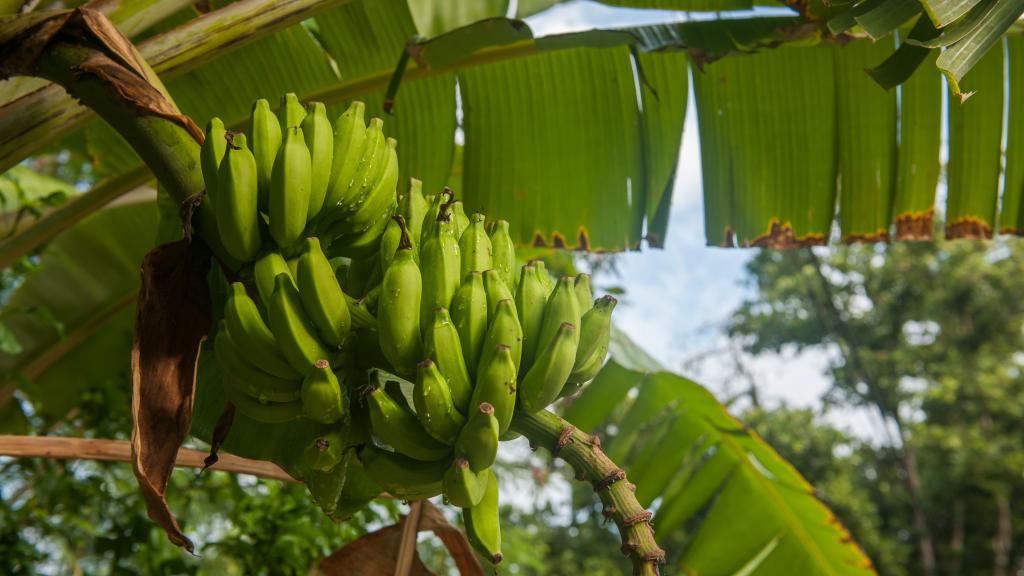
pixel 926 335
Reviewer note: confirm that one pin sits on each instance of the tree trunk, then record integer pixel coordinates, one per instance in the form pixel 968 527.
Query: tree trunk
pixel 1003 540
pixel 956 540
pixel 924 533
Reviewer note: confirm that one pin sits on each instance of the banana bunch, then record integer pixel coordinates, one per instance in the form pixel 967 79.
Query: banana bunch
pixel 278 360
pixel 477 340
pixel 294 175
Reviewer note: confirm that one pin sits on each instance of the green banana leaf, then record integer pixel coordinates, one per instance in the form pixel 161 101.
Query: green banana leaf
pixel 741 507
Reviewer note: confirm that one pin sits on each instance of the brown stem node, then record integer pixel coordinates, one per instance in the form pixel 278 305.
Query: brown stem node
pixel 564 438
pixel 606 482
pixel 644 517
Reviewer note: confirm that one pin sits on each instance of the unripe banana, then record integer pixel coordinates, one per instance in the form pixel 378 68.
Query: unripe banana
pixel 361 244
pixel 398 320
pixel 235 209
pixel 436 201
pixel 496 385
pixel 475 247
pixel 441 343
pixel 478 439
pixel 374 154
pixel 265 130
pixel 497 290
pixel 402 476
pixel 460 218
pixel 544 380
pixel 349 137
pixel 289 189
pixel 211 154
pixel 504 329
pixel 380 200
pixel 390 240
pixel 561 307
pixel 269 413
pixel 531 297
pixel 252 335
pixel 594 338
pixel 265 270
pixel 319 135
pixel 322 297
pixel 249 379
pixel 440 264
pixel 503 253
pixel 483 525
pixel 463 487
pixel 584 294
pixel 434 407
pixel 542 273
pixel 413 207
pixel 292 328
pixel 399 428
pixel 292 112
pixel 469 315
pixel 322 399
pixel 325 452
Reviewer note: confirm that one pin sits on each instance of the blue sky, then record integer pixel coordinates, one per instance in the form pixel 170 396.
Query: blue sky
pixel 679 298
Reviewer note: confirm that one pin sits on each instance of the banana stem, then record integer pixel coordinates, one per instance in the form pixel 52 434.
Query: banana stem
pixel 584 453
pixel 168 149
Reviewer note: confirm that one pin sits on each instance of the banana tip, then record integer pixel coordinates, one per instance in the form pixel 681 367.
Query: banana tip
pixel 322 364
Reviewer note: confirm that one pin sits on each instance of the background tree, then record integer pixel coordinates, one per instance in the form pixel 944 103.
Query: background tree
pixel 925 335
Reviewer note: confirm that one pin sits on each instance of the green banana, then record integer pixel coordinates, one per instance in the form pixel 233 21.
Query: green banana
pixel 463 487
pixel 398 316
pixel 402 476
pixel 235 205
pixel 595 334
pixel 497 290
pixel 292 112
pixel 398 427
pixel 496 385
pixel 211 154
pixel 252 335
pixel 436 201
pixel 478 439
pixel 561 307
pixel 293 330
pixel 249 379
pixel 441 343
pixel 349 137
pixel 544 380
pixel 469 314
pixel 363 274
pixel 434 407
pixel 413 207
pixel 531 296
pixel 325 486
pixel 504 329
pixel 374 154
pixel 317 131
pixel 325 452
pixel 584 294
pixel 322 398
pixel 504 253
pixel 289 189
pixel 460 218
pixel 440 264
pixel 322 297
pixel 542 273
pixel 475 247
pixel 381 198
pixel 270 413
pixel 391 239
pixel 361 244
pixel 483 525
pixel 265 270
pixel 266 140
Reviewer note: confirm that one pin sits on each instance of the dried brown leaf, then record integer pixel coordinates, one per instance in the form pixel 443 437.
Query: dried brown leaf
pixel 172 320
pixel 376 554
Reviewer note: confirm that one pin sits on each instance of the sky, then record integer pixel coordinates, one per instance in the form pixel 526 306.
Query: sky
pixel 679 298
